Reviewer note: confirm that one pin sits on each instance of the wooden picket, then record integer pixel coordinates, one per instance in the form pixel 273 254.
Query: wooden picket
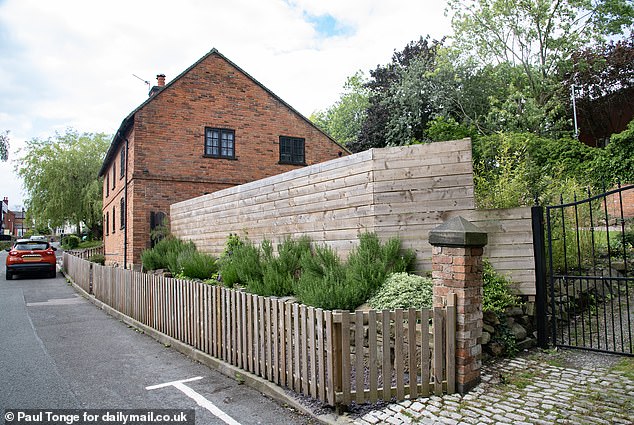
pixel 337 357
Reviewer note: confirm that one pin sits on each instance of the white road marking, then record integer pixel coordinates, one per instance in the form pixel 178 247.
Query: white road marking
pixel 57 301
pixel 199 399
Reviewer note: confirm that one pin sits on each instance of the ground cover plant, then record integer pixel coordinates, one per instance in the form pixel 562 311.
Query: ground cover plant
pixel 181 258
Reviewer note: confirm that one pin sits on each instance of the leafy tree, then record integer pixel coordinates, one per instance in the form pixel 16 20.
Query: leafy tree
pixel 537 35
pixel 615 163
pixel 4 145
pixel 392 92
pixel 603 79
pixel 60 178
pixel 343 120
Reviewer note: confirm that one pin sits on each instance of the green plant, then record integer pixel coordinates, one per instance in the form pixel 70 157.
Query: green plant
pixel 242 265
pixel 371 261
pixel 323 282
pixel 71 241
pixel 197 265
pixel 496 294
pixel 98 258
pixel 279 273
pixel 403 290
pixel 166 253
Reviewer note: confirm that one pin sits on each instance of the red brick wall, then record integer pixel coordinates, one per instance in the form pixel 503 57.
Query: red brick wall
pixel 167 144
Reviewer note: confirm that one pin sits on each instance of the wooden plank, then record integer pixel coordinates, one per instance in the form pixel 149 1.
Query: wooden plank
pixel 297 350
pixel 281 305
pixel 425 372
pixel 250 336
pixel 372 357
pixel 345 357
pixel 320 356
pixel 311 353
pixel 398 355
pixel 268 342
pixel 438 350
pixel 330 363
pixel 411 355
pixel 304 348
pixel 359 357
pixel 451 343
pixel 386 370
pixel 288 324
pixel 276 343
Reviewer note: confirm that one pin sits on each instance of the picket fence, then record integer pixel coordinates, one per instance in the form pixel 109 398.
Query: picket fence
pixel 337 357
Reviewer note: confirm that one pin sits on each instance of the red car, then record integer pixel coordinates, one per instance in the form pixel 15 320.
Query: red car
pixel 31 256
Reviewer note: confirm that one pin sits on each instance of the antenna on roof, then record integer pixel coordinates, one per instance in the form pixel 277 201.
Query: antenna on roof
pixel 145 81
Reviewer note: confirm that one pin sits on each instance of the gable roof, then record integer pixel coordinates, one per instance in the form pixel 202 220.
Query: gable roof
pixel 119 138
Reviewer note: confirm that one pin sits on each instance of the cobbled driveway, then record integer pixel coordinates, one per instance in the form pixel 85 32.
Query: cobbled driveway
pixel 542 388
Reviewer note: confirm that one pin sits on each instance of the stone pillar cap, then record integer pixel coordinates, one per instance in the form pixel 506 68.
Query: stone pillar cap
pixel 458 232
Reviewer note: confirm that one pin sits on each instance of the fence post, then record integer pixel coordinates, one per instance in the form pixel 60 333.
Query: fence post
pixel 457 268
pixel 537 218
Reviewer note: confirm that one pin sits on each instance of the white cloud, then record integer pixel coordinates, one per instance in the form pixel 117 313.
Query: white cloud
pixel 70 63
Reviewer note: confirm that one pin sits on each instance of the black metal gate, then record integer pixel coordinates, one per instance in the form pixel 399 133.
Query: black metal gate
pixel 590 286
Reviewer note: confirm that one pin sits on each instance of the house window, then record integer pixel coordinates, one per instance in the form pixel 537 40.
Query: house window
pixel 107 222
pixel 122 166
pixel 113 220
pixel 292 150
pixel 122 213
pixel 107 184
pixel 219 143
pixel 114 180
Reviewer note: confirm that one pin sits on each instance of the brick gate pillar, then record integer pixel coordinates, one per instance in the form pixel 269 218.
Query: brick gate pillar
pixel 457 247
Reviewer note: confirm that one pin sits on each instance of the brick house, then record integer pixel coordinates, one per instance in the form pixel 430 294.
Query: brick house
pixel 212 127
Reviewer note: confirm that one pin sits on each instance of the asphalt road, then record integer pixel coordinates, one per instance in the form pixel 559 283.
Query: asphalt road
pixel 59 351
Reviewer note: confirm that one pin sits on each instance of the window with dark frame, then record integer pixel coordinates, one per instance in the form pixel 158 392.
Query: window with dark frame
pixel 114 178
pixel 107 184
pixel 122 213
pixel 107 226
pixel 114 228
pixel 292 150
pixel 122 164
pixel 219 143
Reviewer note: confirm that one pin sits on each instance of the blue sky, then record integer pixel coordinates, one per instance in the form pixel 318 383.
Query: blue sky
pixel 70 63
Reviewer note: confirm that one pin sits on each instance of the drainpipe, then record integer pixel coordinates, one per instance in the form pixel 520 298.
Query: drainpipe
pixel 125 213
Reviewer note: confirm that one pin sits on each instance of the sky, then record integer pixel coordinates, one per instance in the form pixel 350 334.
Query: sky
pixel 75 63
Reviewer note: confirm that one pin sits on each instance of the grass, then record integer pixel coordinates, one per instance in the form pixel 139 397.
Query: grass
pixel 89 244
pixel 625 367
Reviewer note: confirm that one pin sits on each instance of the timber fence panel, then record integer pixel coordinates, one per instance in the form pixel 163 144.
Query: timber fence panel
pixel 335 357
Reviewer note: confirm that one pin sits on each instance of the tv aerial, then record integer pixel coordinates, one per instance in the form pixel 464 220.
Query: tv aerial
pixel 145 81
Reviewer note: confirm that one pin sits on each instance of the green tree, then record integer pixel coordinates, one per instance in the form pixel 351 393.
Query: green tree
pixel 343 120
pixel 4 145
pixel 60 178
pixel 537 35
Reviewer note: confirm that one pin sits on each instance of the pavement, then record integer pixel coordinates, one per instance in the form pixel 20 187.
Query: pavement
pixel 539 388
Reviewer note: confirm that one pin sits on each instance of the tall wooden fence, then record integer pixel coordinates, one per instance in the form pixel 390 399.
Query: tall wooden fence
pixel 336 357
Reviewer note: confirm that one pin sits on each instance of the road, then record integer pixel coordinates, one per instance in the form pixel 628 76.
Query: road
pixel 59 351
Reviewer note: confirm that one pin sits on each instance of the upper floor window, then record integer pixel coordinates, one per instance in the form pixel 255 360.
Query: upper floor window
pixel 122 163
pixel 107 184
pixel 122 212
pixel 114 180
pixel 292 150
pixel 219 143
pixel 114 228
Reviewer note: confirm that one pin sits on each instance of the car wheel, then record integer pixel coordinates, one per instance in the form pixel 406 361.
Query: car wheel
pixel 9 275
pixel 52 274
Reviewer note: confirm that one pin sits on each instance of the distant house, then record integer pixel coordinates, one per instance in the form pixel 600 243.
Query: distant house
pixel 212 127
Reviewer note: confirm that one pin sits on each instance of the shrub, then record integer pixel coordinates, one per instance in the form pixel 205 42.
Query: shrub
pixel 71 241
pixel 403 290
pixel 496 296
pixel 323 282
pixel 98 258
pixel 369 264
pixel 197 265
pixel 242 265
pixel 165 254
pixel 279 273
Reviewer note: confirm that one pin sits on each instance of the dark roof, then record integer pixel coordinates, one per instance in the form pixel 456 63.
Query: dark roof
pixel 118 138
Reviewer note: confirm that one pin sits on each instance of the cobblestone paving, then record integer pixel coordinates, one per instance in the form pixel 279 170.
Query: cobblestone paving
pixel 524 391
